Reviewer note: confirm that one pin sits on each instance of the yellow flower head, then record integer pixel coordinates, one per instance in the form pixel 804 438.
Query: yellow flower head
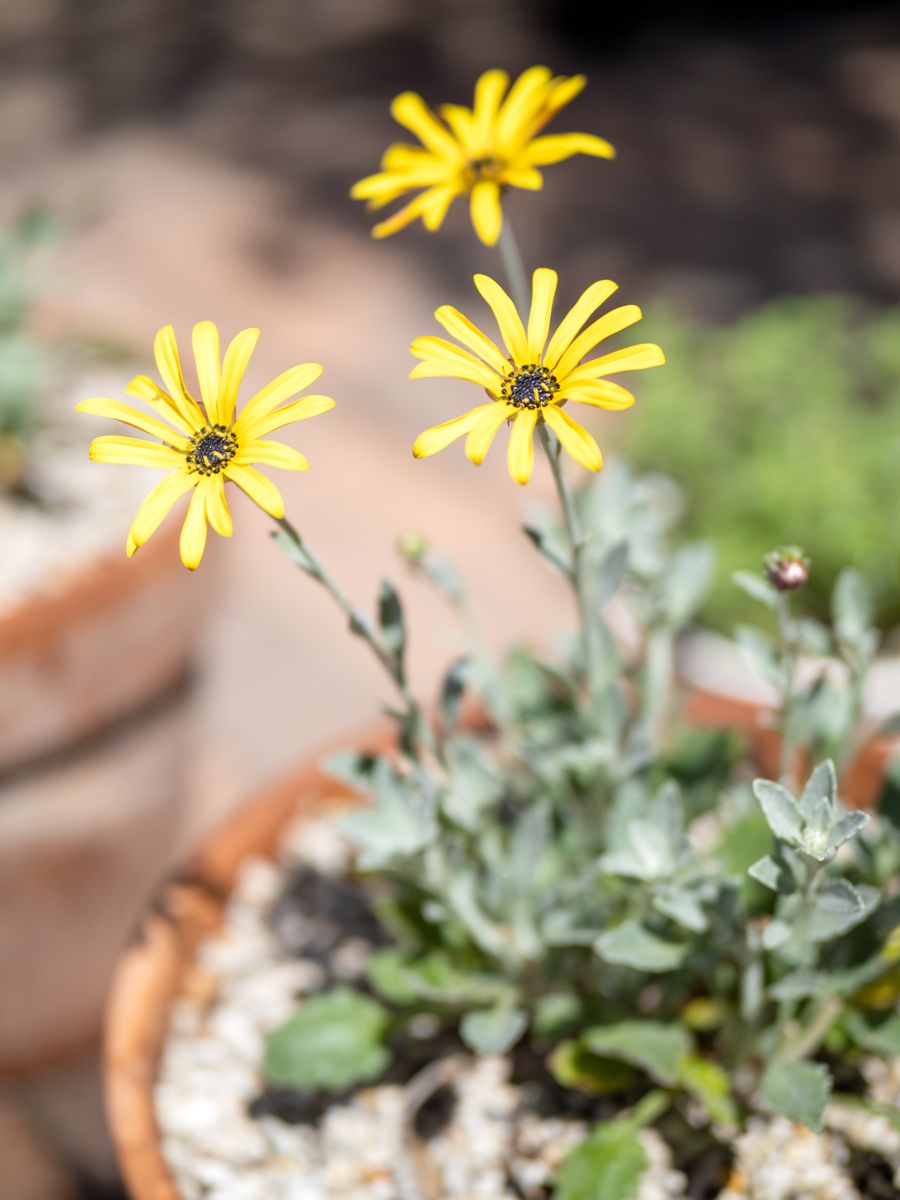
pixel 533 379
pixel 205 444
pixel 479 150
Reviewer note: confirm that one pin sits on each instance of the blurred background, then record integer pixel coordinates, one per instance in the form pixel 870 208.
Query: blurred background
pixel 169 161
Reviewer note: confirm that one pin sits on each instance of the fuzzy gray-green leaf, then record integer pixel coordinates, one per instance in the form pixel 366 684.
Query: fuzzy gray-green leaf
pixel 493 1030
pixel 631 944
pixel 654 1046
pixel 780 809
pixel 798 1091
pixel 335 1040
pixel 607 1165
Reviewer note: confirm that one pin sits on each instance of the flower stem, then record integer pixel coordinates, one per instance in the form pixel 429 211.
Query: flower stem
pixel 789 659
pixel 290 538
pixel 514 268
pixel 517 280
pixel 578 544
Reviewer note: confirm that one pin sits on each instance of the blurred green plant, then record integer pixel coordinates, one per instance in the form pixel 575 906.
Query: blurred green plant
pixel 22 359
pixel 784 426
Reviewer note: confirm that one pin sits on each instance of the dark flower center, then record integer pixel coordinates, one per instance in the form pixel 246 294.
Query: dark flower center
pixel 531 386
pixel 486 167
pixel 211 449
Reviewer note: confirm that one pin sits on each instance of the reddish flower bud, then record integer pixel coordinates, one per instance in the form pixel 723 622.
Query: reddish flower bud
pixel 787 569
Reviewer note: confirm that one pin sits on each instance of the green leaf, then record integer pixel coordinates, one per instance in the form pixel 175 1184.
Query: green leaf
pixel 574 1066
pixel 607 1165
pixel 798 1091
pixel 545 544
pixel 631 944
pixel 761 654
pixel 682 907
pixel 780 810
pixel 756 587
pixel 432 978
pixel 335 1040
pixel 609 573
pixel 852 608
pixel 812 637
pixel 775 874
pixel 847 827
pixel 883 1039
pixel 817 802
pixel 493 1030
pixel 452 690
pixel 655 1047
pixel 837 908
pixel 710 1084
pixel 390 619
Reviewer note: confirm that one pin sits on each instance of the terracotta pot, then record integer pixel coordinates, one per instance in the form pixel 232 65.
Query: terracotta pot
pixel 108 641
pixel 723 693
pixel 94 701
pixel 156 968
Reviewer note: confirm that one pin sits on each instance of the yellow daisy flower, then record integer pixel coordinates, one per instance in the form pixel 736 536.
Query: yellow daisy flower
pixel 205 444
pixel 533 378
pixel 480 150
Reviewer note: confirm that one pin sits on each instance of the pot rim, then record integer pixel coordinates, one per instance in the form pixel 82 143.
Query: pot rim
pixel 188 907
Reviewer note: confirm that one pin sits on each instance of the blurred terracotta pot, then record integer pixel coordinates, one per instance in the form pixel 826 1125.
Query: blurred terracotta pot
pixel 724 693
pixel 81 657
pixel 156 968
pixel 94 706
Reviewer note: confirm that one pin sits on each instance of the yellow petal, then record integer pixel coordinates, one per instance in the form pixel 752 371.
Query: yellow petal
pixel 487 214
pixel 193 532
pixel 288 384
pixel 555 147
pixel 462 125
pixel 97 406
pixel 435 351
pixel 237 356
pixel 610 323
pixel 436 201
pixel 411 111
pixel 508 320
pixel 517 114
pixel 523 177
pixel 439 437
pixel 483 432
pixel 262 491
pixel 142 387
pixel 207 356
pixel 405 216
pixel 561 92
pixel 597 393
pixel 217 512
pixel 489 92
pixel 630 358
pixel 165 351
pixel 543 289
pixel 288 414
pixel 520 454
pixel 401 157
pixel 589 300
pixel 134 452
pixel 156 506
pixel 271 454
pixel 576 440
pixel 459 326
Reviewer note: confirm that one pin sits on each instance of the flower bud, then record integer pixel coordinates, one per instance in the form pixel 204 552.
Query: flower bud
pixel 412 546
pixel 787 569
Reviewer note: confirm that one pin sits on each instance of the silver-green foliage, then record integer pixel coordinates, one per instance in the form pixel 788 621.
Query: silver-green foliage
pixel 543 883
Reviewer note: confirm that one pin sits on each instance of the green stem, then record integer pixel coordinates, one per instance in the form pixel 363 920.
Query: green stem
pixel 789 659
pixel 811 1038
pixel 362 627
pixel 514 268
pixel 578 544
pixel 517 280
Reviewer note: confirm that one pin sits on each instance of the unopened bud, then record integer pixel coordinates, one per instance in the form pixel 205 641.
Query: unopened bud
pixel 412 546
pixel 787 569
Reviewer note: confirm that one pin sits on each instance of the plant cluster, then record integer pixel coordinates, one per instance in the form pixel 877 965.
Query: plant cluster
pixel 567 871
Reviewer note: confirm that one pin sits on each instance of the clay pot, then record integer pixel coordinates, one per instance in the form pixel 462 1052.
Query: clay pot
pixel 80 658
pixel 94 706
pixel 157 966
pixel 723 693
